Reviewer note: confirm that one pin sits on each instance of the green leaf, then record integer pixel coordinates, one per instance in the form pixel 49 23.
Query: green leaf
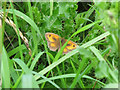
pixel 5 69
pixel 35 60
pixel 69 76
pixel 15 50
pixel 111 85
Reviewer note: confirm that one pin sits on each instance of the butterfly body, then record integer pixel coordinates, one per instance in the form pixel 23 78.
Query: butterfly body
pixel 56 42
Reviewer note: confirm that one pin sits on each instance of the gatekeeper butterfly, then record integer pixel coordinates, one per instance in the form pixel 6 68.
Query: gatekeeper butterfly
pixel 53 41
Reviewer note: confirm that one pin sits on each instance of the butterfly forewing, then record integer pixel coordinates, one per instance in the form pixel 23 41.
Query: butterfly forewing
pixel 50 37
pixel 52 40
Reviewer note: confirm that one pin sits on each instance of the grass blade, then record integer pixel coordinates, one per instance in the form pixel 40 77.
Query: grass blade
pixel 35 60
pixel 5 69
pixel 27 71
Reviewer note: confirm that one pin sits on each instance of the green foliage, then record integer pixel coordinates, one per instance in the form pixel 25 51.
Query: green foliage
pixel 94 64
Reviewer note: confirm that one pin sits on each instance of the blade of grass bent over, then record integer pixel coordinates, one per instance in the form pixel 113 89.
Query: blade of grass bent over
pixel 27 71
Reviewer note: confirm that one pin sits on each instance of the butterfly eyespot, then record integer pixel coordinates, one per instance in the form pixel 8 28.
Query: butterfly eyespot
pixel 73 45
pixel 49 35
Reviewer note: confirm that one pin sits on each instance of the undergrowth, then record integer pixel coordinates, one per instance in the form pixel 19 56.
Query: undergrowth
pixel 28 62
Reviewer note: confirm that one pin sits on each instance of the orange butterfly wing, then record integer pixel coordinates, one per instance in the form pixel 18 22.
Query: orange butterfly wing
pixel 69 47
pixel 53 41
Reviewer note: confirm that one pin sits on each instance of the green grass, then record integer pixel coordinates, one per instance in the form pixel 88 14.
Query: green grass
pixel 93 64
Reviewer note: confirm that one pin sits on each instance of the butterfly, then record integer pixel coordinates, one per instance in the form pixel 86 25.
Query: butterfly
pixel 55 42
